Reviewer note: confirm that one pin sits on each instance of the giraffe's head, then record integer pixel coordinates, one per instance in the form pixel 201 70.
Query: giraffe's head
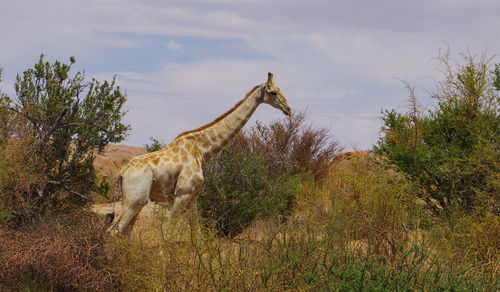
pixel 272 95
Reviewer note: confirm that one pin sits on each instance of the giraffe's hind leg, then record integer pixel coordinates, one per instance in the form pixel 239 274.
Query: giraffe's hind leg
pixel 129 216
pixel 136 190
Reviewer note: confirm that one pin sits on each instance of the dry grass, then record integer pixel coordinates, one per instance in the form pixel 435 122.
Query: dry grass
pixel 359 230
pixel 56 256
pixel 363 200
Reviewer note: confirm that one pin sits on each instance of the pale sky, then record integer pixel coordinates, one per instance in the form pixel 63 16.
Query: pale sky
pixel 184 63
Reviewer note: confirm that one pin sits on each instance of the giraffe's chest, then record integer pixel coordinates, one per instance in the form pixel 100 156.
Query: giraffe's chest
pixel 163 186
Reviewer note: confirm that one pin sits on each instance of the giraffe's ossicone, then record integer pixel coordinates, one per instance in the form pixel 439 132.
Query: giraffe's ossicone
pixel 177 169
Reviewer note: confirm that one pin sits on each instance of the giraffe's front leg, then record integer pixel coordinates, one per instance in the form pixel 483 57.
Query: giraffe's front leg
pixel 186 194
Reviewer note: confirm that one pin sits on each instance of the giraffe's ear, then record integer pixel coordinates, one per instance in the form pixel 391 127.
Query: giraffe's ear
pixel 269 78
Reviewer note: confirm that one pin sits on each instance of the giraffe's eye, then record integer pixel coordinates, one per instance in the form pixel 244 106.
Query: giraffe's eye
pixel 273 92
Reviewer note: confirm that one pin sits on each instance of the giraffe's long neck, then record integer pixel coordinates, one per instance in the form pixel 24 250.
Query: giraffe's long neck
pixel 220 133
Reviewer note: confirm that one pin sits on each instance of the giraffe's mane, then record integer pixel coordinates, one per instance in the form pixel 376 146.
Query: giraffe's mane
pixel 222 116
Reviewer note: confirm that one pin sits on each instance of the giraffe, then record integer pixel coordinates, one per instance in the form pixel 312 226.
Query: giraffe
pixel 177 168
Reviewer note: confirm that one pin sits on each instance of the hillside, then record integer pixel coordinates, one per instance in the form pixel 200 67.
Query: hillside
pixel 115 157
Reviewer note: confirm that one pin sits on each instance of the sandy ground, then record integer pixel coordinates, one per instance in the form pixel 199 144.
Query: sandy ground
pixel 146 213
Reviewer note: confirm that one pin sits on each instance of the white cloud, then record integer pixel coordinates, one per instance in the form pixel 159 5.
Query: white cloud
pixel 377 55
pixel 174 46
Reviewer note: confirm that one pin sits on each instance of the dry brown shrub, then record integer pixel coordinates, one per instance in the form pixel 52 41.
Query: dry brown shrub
pixel 293 143
pixel 64 254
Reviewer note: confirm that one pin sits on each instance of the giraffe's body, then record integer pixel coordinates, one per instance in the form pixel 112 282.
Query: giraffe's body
pixel 177 168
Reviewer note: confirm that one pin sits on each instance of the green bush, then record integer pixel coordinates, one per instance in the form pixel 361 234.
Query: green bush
pixel 241 187
pixel 156 144
pixel 452 150
pixel 50 134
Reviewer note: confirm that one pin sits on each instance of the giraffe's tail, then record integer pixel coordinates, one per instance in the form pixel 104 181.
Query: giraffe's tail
pixel 117 192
